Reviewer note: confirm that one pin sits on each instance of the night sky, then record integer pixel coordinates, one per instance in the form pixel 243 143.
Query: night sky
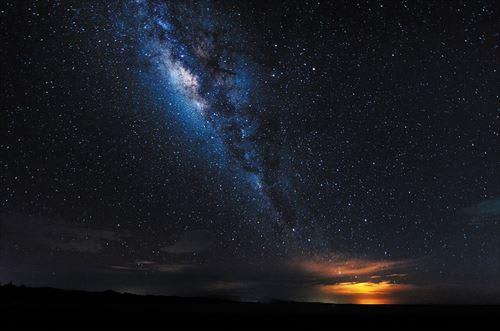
pixel 333 151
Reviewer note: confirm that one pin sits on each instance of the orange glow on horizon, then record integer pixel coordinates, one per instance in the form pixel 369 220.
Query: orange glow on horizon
pixel 357 280
pixel 364 292
pixel 374 301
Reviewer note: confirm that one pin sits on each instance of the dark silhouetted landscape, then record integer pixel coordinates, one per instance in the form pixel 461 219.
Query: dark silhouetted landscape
pixel 21 306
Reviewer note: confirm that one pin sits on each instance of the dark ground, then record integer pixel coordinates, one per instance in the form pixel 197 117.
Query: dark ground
pixel 23 306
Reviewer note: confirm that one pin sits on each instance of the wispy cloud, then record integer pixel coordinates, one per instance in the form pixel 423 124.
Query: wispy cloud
pixel 153 266
pixel 484 212
pixel 56 234
pixel 191 241
pixel 356 280
pixel 340 267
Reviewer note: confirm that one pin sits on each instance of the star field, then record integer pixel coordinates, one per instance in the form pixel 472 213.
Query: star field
pixel 206 147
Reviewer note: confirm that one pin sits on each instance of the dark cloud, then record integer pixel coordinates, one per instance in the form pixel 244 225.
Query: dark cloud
pixel 191 241
pixel 332 278
pixel 485 212
pixel 34 233
pixel 294 279
pixel 153 266
pixel 291 280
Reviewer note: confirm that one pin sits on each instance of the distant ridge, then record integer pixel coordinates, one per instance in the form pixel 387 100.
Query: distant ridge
pixel 20 305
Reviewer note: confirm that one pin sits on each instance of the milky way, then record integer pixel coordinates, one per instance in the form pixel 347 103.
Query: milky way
pixel 336 151
pixel 209 64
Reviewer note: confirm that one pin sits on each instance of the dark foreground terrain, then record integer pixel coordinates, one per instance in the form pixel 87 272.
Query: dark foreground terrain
pixel 23 306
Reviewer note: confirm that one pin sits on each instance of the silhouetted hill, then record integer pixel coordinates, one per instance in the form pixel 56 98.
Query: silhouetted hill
pixel 68 308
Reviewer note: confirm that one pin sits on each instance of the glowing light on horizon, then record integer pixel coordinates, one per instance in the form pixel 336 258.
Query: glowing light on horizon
pixel 365 292
pixel 357 281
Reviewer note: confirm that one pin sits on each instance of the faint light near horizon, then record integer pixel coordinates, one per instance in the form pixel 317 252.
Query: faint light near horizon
pixel 364 292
